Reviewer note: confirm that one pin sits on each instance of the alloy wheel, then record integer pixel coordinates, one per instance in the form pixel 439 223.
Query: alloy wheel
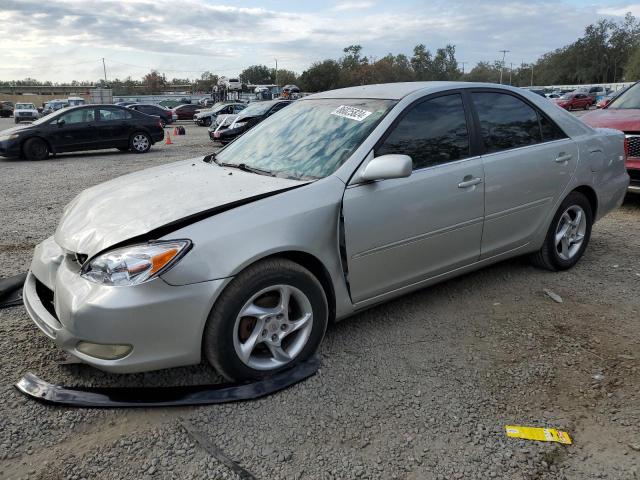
pixel 570 232
pixel 140 142
pixel 273 327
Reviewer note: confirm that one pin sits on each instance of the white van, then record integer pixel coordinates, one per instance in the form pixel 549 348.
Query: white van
pixel 75 101
pixel 234 84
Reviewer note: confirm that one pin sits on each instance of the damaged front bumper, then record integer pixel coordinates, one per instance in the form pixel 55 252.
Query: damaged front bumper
pixel 110 397
pixel 144 327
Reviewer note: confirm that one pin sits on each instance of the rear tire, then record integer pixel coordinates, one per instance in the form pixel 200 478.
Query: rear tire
pixel 568 234
pixel 36 149
pixel 269 318
pixel 140 142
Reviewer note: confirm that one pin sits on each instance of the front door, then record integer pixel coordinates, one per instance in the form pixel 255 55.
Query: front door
pixel 74 130
pixel 528 163
pixel 402 231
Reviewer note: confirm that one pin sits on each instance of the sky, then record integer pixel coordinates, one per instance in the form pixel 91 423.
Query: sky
pixel 64 40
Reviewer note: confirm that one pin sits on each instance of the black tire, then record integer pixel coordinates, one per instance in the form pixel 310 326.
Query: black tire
pixel 548 257
pixel 16 120
pixel 36 149
pixel 137 145
pixel 207 122
pixel 218 339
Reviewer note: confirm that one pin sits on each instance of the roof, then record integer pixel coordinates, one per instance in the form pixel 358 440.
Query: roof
pixel 396 91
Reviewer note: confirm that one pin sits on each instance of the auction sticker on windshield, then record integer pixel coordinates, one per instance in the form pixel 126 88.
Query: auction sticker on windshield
pixel 353 113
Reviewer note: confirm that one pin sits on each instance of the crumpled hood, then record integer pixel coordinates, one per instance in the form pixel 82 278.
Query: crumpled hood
pixel 138 203
pixel 617 118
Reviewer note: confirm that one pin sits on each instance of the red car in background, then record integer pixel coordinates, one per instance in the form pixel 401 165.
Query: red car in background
pixel 623 113
pixel 571 101
pixel 186 111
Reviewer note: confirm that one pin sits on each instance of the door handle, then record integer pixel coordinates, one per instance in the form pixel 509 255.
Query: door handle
pixel 563 158
pixel 470 183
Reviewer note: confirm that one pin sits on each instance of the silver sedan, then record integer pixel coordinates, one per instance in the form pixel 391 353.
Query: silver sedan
pixel 341 201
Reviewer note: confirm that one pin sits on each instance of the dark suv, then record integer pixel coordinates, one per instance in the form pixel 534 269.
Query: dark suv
pixel 166 115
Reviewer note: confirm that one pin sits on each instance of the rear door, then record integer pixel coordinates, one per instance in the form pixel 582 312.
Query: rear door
pixel 528 162
pixel 399 232
pixel 75 130
pixel 113 127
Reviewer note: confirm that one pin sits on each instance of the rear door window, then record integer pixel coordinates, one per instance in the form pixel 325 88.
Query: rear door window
pixel 432 132
pixel 506 121
pixel 112 114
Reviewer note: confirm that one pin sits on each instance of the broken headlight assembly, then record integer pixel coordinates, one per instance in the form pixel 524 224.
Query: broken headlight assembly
pixel 134 264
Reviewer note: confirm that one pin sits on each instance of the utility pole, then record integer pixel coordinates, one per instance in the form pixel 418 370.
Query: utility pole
pixel 532 74
pixel 104 69
pixel 276 74
pixel 504 54
pixel 463 64
pixel 510 71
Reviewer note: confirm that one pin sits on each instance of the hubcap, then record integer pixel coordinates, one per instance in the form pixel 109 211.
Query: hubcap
pixel 570 232
pixel 273 327
pixel 140 143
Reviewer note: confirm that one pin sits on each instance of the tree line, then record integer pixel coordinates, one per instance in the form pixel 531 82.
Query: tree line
pixel 607 52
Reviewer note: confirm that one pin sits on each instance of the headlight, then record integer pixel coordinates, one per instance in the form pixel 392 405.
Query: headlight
pixel 5 138
pixel 135 264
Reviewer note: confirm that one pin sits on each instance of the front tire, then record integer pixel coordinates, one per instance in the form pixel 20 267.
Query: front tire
pixel 140 142
pixel 36 149
pixel 568 234
pixel 270 317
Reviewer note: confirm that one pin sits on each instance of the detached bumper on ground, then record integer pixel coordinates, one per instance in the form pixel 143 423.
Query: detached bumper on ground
pixel 117 329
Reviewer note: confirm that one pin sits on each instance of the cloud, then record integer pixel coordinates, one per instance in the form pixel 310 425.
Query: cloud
pixel 345 6
pixel 61 40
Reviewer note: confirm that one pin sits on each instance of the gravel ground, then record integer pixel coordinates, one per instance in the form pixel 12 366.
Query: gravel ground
pixel 418 388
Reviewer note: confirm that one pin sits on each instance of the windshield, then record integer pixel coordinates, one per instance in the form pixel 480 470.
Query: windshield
pixel 628 99
pixel 25 106
pixel 309 139
pixel 256 109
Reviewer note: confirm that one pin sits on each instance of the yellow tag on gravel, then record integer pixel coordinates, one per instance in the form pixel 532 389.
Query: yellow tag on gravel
pixel 539 434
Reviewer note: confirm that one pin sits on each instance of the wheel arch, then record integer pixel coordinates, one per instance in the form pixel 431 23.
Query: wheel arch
pixel 311 263
pixel 591 195
pixel 52 150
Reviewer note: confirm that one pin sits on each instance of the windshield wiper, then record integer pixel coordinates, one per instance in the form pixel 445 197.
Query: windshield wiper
pixel 244 167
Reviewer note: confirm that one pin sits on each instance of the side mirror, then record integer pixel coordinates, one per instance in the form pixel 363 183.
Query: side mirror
pixel 386 167
pixel 61 122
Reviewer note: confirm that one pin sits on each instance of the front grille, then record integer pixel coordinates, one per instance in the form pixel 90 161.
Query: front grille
pixel 46 297
pixel 634 145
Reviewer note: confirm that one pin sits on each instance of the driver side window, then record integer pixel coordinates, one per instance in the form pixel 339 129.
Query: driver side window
pixel 81 115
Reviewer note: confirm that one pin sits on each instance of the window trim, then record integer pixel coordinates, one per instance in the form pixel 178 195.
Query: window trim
pixel 472 134
pixel 540 113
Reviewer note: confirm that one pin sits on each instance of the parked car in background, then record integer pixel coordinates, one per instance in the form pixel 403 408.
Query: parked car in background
pixel 572 101
pixel 341 201
pixel 595 93
pixel 125 104
pixel 166 115
pixel 172 103
pixel 186 111
pixel 554 95
pixel 75 101
pixel 234 84
pixel 609 98
pixel 222 123
pixel 205 118
pixel 250 117
pixel 53 106
pixel 623 113
pixel 24 112
pixel 88 127
pixel 6 109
